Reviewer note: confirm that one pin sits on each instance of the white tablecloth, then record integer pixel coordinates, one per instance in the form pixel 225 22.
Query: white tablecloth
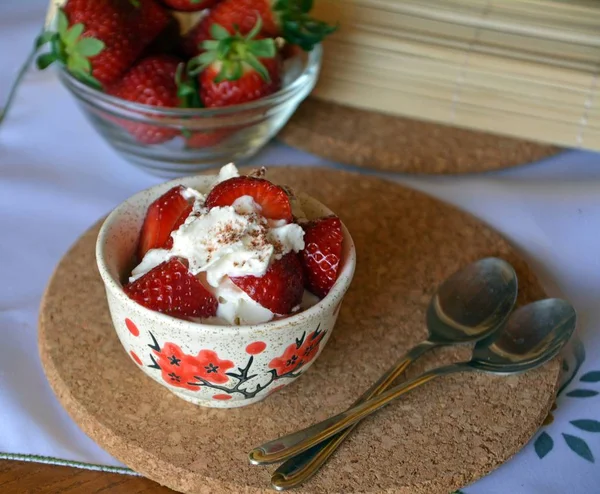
pixel 57 177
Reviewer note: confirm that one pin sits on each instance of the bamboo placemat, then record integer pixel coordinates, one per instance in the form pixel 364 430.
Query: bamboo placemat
pixel 529 69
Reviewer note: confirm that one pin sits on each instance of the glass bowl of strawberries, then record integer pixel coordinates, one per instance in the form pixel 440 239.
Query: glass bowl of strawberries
pixel 178 86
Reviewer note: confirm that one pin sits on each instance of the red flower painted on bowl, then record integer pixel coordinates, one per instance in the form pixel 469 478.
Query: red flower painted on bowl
pixel 288 362
pixel 177 368
pixel 211 368
pixel 310 347
pixel 297 354
pixel 180 369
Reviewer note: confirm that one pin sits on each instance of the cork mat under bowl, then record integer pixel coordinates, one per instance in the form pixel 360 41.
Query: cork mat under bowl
pixel 393 144
pixel 439 438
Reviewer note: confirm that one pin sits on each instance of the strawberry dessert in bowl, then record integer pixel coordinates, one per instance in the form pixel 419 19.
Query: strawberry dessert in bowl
pixel 177 92
pixel 224 288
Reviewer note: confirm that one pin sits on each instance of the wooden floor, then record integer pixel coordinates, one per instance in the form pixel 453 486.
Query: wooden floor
pixel 18 477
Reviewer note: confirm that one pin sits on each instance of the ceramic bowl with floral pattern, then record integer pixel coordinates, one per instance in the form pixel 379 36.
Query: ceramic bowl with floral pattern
pixel 212 365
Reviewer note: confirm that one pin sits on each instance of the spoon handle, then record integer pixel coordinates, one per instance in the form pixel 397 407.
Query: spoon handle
pixel 301 467
pixel 288 446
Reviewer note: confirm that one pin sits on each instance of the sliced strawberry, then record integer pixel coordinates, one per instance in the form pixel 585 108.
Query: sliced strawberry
pixel 322 253
pixel 171 289
pixel 280 289
pixel 272 199
pixel 180 221
pixel 162 216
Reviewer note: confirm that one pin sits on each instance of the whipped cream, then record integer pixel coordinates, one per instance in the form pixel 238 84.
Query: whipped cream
pixel 225 242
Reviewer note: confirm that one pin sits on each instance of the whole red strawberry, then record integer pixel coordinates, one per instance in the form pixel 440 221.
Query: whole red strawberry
pixel 152 81
pixel 98 40
pixel 207 139
pixel 171 289
pixel 322 253
pixel 249 87
pixel 289 19
pixel 189 5
pixel 280 289
pixel 236 69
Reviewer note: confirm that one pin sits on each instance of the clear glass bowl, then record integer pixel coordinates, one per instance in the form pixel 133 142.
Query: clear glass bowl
pixel 199 138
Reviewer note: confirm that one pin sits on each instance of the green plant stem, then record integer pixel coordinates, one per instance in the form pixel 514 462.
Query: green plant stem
pixel 13 89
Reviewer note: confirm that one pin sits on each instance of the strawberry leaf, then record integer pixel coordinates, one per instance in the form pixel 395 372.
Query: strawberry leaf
pixel 301 6
pixel 45 60
pixel 219 32
pixel 262 48
pixel 44 38
pixel 224 48
pixel 210 44
pixel 199 63
pixel 258 67
pixel 306 6
pixel 78 63
pixel 89 47
pixel 187 89
pixel 72 35
pixel 254 32
pixel 63 23
pixel 231 71
pixel 299 28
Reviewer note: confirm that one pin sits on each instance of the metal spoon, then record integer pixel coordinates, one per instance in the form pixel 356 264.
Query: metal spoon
pixel 533 335
pixel 472 303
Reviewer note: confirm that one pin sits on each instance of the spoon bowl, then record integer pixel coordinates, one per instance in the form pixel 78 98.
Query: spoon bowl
pixel 533 335
pixel 472 303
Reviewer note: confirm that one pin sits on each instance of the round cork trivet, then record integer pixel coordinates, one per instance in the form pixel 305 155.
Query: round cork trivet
pixel 436 439
pixel 393 144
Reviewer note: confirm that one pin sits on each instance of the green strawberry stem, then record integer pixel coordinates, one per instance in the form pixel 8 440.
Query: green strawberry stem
pixel 71 49
pixel 17 82
pixel 188 89
pixel 298 27
pixel 233 51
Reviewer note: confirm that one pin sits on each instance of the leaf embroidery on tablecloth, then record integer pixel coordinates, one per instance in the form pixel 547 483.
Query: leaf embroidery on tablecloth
pixel 579 446
pixel 544 443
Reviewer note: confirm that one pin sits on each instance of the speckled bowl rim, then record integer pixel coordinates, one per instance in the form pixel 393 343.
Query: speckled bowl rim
pixel 338 290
